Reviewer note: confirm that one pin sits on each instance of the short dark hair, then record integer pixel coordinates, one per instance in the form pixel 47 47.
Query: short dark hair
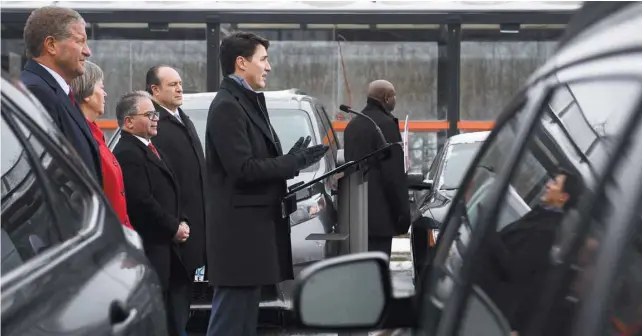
pixel 151 78
pixel 47 21
pixel 572 186
pixel 239 44
pixel 128 105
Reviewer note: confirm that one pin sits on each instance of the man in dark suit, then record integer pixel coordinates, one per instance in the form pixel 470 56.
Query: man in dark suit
pixel 248 238
pixel 183 152
pixel 56 46
pixel 513 270
pixel 153 201
pixel 388 205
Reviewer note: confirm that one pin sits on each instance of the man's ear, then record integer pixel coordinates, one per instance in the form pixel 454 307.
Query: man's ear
pixel 240 63
pixel 50 45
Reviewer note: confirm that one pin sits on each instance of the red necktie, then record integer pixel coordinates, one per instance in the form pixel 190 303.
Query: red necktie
pixel 71 96
pixel 153 148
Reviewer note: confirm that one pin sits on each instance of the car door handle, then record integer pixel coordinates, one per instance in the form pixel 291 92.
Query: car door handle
pixel 121 317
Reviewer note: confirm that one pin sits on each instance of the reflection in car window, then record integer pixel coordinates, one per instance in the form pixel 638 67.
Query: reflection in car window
pixel 589 117
pixel 473 200
pixel 28 226
pixel 623 310
pixel 289 124
pixel 549 180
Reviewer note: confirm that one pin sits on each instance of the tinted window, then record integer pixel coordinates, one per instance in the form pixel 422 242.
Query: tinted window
pixel 458 158
pixel 28 224
pixel 610 230
pixel 550 179
pixel 71 199
pixel 474 199
pixel 330 136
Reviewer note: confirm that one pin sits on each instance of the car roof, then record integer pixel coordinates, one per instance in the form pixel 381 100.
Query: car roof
pixel 280 99
pixel 468 137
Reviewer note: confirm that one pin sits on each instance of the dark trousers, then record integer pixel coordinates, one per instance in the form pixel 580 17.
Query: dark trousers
pixel 177 301
pixel 380 244
pixel 235 311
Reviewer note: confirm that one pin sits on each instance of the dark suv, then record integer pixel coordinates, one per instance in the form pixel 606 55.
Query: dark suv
pixel 580 114
pixel 293 114
pixel 69 267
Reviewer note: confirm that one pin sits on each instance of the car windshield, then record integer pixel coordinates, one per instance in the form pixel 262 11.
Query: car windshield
pixel 458 158
pixel 289 124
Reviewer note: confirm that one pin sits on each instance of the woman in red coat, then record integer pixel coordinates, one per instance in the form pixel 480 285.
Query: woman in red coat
pixel 90 95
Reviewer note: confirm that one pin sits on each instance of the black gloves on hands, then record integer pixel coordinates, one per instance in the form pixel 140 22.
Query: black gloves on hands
pixel 300 144
pixel 309 156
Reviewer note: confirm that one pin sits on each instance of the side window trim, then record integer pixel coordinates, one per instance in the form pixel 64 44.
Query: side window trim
pixel 41 177
pixel 505 176
pixel 583 214
pixel 35 264
pixel 451 320
pixel 56 153
pixel 45 260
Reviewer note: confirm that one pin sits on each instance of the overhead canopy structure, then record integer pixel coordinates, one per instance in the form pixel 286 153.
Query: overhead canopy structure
pixel 443 24
pixel 309 11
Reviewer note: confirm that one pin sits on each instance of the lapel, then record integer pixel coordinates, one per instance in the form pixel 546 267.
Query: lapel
pixel 186 125
pixel 149 155
pixel 73 110
pixel 196 141
pixel 251 110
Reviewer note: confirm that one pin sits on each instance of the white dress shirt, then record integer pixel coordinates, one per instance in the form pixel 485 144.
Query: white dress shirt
pixel 65 87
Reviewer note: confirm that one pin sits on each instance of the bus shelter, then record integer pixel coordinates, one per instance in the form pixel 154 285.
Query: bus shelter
pixel 454 64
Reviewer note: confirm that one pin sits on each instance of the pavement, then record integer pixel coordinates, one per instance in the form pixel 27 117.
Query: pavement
pixel 400 271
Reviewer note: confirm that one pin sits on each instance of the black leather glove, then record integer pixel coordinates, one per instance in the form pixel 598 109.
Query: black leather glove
pixel 309 156
pixel 300 144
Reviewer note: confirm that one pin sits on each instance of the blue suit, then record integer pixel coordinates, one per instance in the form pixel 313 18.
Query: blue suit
pixel 65 114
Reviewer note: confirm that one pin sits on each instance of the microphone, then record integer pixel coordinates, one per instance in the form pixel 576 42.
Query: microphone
pixel 347 109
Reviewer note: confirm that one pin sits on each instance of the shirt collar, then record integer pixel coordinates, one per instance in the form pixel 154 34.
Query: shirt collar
pixel 175 114
pixel 241 81
pixel 58 78
pixel 145 141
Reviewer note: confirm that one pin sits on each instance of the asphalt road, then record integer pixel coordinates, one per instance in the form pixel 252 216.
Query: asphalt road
pixel 401 272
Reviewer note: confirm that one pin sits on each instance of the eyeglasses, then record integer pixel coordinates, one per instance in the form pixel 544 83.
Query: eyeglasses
pixel 149 114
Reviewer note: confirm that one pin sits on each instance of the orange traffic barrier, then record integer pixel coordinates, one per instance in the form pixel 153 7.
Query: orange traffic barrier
pixel 414 126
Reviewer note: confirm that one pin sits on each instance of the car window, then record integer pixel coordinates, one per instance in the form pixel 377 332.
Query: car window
pixel 457 160
pixel 289 124
pixel 471 198
pixel 330 137
pixel 29 224
pixel 622 306
pixel 434 165
pixel 551 177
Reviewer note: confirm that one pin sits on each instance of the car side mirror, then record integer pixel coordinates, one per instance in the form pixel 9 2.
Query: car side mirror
pixel 416 182
pixel 349 292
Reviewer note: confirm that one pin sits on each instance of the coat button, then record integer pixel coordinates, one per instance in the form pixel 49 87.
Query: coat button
pixel 122 192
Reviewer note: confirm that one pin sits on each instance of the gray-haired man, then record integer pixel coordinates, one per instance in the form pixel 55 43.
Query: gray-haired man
pixel 153 202
pixel 56 46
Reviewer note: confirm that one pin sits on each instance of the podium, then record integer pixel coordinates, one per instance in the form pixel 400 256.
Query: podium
pixel 352 223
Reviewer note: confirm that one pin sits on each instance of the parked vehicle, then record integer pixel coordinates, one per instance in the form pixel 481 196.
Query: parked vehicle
pixel 69 267
pixel 293 114
pixel 581 111
pixel 429 207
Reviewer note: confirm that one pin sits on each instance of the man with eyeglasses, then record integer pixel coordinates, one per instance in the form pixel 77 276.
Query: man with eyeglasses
pixel 153 200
